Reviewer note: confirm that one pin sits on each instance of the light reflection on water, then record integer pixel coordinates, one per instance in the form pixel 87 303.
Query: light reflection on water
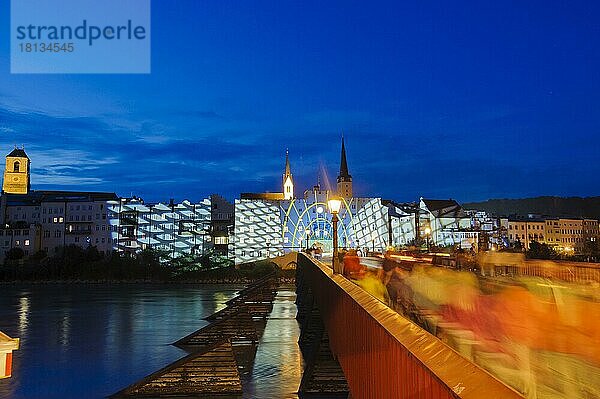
pixel 90 341
pixel 278 366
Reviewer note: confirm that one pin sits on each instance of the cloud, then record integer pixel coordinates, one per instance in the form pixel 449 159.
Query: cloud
pixel 190 157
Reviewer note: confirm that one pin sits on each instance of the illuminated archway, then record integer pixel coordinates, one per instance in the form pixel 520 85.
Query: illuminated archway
pixel 301 215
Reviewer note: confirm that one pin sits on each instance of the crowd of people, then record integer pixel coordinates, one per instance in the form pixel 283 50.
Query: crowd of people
pixel 539 336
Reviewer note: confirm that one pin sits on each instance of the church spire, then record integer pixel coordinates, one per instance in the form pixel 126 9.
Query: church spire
pixel 344 180
pixel 288 170
pixel 288 182
pixel 344 163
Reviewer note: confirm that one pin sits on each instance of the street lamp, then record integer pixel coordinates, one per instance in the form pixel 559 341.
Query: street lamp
pixel 334 207
pixel 307 231
pixel 427 234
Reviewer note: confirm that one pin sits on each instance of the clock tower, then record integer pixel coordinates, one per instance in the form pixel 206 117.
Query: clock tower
pixel 16 172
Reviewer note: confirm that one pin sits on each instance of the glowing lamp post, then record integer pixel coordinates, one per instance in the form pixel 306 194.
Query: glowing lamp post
pixel 334 207
pixel 427 234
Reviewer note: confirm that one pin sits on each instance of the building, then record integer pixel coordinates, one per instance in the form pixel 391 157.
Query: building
pixel 47 221
pixel 380 224
pixel 444 223
pixel 527 230
pixel 270 224
pixel 61 218
pixel 177 229
pixel 17 179
pixel 222 222
pixel 22 235
pixel 567 235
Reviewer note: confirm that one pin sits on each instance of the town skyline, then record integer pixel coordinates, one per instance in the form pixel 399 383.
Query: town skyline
pixel 324 176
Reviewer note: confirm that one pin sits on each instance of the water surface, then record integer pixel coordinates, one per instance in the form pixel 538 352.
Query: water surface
pixel 90 340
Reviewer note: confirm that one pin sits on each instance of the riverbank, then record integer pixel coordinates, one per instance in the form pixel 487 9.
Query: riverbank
pixel 282 280
pixel 77 265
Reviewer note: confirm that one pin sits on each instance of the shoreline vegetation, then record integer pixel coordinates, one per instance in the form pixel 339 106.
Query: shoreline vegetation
pixel 73 264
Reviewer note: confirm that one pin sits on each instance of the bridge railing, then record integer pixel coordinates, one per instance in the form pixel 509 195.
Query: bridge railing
pixel 384 355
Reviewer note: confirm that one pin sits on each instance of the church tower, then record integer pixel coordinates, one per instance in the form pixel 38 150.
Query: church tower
pixel 344 180
pixel 16 172
pixel 288 182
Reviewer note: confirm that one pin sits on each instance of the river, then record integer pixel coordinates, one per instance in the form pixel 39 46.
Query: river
pixel 91 340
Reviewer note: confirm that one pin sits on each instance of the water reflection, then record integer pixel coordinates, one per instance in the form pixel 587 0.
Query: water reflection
pixel 92 340
pixel 278 364
pixel 23 314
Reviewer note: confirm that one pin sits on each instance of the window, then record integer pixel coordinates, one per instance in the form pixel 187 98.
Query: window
pixel 221 240
pixel 16 166
pixel 26 243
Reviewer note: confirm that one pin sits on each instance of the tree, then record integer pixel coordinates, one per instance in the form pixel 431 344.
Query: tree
pixel 591 249
pixel 15 254
pixel 541 251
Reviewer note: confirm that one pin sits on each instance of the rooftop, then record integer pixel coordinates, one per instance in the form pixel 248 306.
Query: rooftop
pixel 18 152
pixel 38 197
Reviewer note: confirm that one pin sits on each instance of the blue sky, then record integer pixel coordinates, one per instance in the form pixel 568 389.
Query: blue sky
pixel 463 100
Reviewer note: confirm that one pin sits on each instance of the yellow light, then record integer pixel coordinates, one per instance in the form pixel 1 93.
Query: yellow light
pixel 334 205
pixel 427 231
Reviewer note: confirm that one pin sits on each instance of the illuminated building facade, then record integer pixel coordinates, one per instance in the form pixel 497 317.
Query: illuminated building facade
pixel 445 224
pixel 567 235
pixel 177 229
pixel 17 173
pixel 266 228
pixel 271 224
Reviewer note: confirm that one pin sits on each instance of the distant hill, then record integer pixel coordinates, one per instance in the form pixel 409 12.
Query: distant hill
pixel 588 207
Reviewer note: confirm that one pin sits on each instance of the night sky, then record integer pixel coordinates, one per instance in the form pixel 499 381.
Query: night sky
pixel 434 99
